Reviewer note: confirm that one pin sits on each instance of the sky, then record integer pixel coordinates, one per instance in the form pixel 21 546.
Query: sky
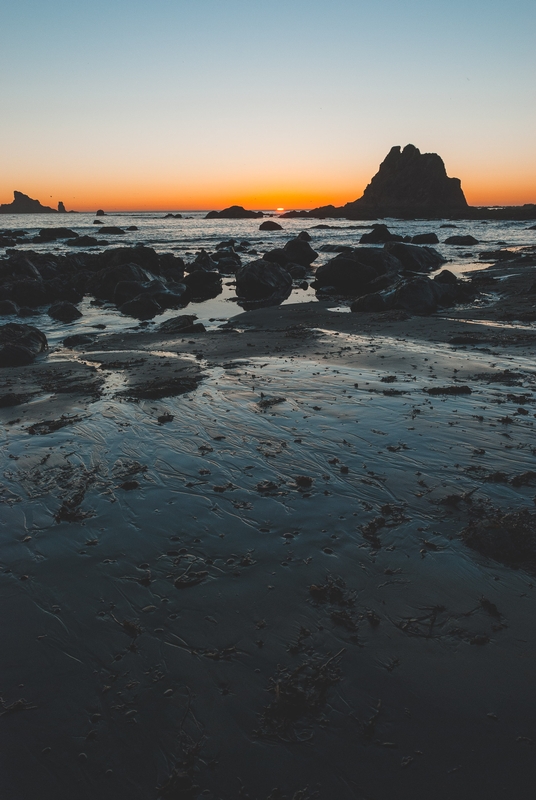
pixel 183 104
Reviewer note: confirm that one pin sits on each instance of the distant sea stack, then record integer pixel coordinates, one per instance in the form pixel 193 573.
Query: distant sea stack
pixel 22 204
pixel 234 212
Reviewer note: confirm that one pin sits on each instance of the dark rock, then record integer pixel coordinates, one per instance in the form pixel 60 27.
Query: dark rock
pixel 446 276
pixel 497 255
pixel 64 312
pixel 20 344
pixel 263 280
pixel 203 284
pixel 270 225
pixel 97 222
pixel 22 204
pixel 297 271
pixel 8 307
pixel 173 216
pixel 130 228
pixel 112 230
pixel 29 293
pixel 425 238
pixel 51 234
pixel 461 240
pixel 202 261
pixel 423 296
pixel 102 284
pixel 234 212
pixel 183 324
pixel 86 241
pixel 347 275
pixel 304 236
pixel 100 213
pixel 409 184
pixel 300 252
pixel 415 258
pixel 277 256
pixel 143 307
pixel 61 208
pixel 381 259
pixel 144 257
pixel 379 235
pixel 369 302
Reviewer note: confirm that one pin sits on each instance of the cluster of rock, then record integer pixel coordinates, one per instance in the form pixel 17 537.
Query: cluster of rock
pixel 234 212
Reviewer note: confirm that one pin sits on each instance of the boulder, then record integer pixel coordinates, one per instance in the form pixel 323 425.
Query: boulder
pixel 64 312
pixel 20 344
pixel 369 302
pixel 7 308
pixel 415 258
pixel 203 284
pixel 277 256
pixel 380 258
pixel 300 252
pixel 461 240
pixel 51 234
pixel 425 238
pixel 446 276
pixel 185 323
pixel 97 222
pixel 423 296
pixel 86 241
pixel 61 208
pixel 143 307
pixel 144 257
pixel 130 228
pixel 380 234
pixel 79 339
pixel 304 236
pixel 234 212
pixel 102 284
pixel 346 275
pixel 263 280
pixel 112 230
pixel 270 225
pixel 100 213
pixel 30 293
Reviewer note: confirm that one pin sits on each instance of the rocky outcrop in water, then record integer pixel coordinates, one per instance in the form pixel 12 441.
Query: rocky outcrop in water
pixel 22 204
pixel 234 212
pixel 20 344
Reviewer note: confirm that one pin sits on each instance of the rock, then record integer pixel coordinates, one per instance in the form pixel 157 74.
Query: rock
pixel 409 184
pixel 100 213
pixel 112 230
pixel 143 307
pixel 304 236
pixel 369 302
pixel 234 212
pixel 130 228
pixel 263 280
pixel 173 216
pixel 203 284
pixel 28 293
pixel 277 256
pixel 297 271
pixel 425 238
pixel 423 296
pixel 86 241
pixel 270 225
pixel 8 307
pixel 61 208
pixel 20 344
pixel 102 284
pixel 51 234
pixel 346 275
pixel 446 276
pixel 380 258
pixel 497 255
pixel 379 235
pixel 300 252
pixel 97 222
pixel 22 204
pixel 64 312
pixel 415 258
pixel 202 261
pixel 144 257
pixel 461 240
pixel 185 323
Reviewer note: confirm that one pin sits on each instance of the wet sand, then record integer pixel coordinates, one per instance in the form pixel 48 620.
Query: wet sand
pixel 257 585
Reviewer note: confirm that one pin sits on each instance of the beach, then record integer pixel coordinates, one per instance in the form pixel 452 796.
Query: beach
pixel 258 584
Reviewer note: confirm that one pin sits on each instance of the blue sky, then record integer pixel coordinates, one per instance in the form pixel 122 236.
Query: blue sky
pixel 200 103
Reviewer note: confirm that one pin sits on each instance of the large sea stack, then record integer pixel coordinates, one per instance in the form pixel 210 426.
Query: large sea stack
pixel 22 204
pixel 410 184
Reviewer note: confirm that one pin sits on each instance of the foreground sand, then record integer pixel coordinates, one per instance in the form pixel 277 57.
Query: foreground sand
pixel 259 586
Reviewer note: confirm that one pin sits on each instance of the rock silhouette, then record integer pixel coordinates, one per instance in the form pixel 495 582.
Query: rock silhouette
pixel 234 212
pixel 22 204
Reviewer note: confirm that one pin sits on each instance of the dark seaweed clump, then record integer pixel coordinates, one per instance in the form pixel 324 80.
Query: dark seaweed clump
pixel 509 538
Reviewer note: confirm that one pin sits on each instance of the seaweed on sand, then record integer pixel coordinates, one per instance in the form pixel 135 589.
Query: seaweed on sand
pixel 506 537
pixel 299 696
